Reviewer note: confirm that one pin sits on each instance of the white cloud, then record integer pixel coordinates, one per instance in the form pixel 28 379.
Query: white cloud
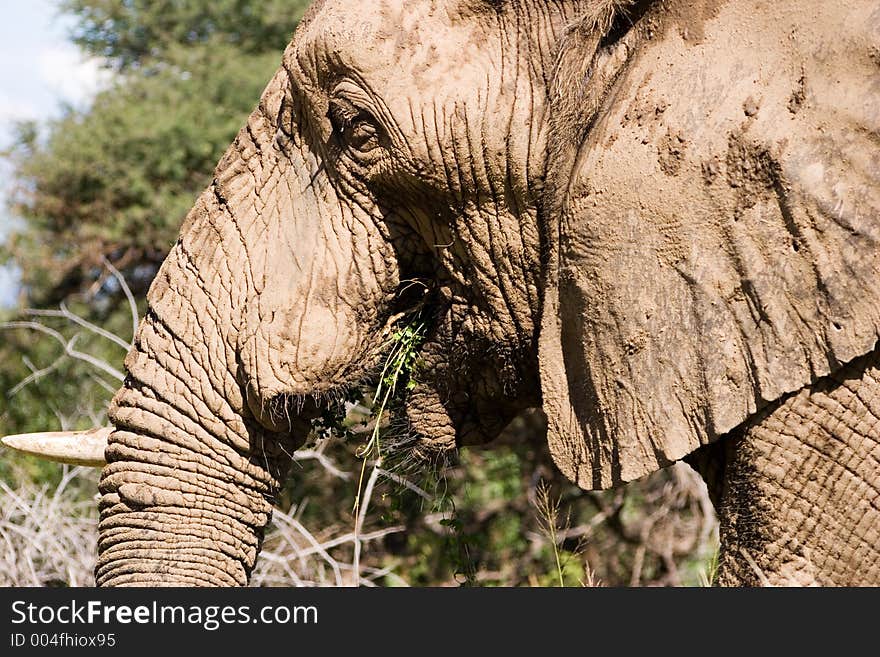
pixel 70 76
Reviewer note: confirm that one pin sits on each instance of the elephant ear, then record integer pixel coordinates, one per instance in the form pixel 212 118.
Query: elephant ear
pixel 718 242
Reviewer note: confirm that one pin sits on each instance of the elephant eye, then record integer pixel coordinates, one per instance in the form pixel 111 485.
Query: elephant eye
pixel 355 128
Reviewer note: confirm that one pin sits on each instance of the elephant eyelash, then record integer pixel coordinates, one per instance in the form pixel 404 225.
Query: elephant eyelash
pixel 341 116
pixel 354 126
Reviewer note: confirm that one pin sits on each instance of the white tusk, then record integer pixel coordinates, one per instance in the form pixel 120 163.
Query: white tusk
pixel 73 447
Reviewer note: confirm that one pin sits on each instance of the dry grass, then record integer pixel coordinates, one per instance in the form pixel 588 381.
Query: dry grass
pixel 331 555
pixel 47 538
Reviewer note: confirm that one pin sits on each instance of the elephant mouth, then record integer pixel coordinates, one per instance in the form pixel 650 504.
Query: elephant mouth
pixel 352 412
pixel 353 408
pixel 451 394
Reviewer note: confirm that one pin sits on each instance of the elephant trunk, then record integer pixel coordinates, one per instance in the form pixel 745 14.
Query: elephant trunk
pixel 184 503
pixel 190 478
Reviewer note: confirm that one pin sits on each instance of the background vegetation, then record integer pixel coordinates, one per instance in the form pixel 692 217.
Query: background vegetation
pixel 102 193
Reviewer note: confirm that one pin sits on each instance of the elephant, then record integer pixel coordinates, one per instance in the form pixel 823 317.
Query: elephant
pixel 657 220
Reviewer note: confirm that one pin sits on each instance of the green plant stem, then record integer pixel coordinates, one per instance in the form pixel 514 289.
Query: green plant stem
pixel 398 365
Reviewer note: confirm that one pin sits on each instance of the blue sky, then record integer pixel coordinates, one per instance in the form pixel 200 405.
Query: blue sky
pixel 39 71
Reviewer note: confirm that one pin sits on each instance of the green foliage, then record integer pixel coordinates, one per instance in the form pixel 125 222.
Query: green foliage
pixel 119 178
pixel 69 393
pixel 137 33
pixel 395 375
pixel 399 364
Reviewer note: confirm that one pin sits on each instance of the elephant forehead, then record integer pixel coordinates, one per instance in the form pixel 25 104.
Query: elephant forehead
pixel 413 40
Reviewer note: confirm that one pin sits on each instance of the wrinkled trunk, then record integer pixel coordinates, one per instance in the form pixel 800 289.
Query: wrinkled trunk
pixel 276 292
pixel 189 483
pixel 190 477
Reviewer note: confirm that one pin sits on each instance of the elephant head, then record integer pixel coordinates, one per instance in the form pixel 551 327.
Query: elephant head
pixel 611 209
pixel 394 163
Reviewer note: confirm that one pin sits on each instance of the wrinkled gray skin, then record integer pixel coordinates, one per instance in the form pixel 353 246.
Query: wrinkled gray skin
pixel 526 174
